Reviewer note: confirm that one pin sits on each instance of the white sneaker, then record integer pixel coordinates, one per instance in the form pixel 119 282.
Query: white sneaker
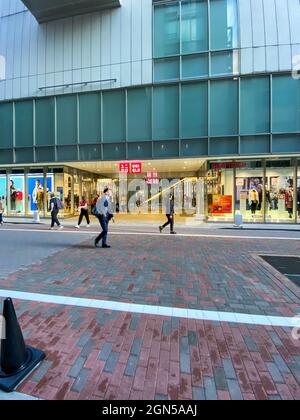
pixel 61 227
pixel 88 225
pixel 77 227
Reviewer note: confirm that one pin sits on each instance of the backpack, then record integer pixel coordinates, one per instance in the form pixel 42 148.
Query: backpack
pixel 95 211
pixel 59 204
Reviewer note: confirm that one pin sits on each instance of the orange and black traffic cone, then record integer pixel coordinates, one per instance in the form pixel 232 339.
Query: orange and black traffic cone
pixel 17 360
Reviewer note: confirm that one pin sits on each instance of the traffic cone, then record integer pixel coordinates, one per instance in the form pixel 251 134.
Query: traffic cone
pixel 17 359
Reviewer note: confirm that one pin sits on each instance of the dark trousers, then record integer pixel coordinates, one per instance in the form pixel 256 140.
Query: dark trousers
pixel 253 207
pixel 54 218
pixel 84 213
pixel 169 222
pixel 1 218
pixel 103 235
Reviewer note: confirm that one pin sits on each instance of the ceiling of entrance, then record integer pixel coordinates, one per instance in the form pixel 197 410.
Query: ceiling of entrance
pixel 46 10
pixel 161 166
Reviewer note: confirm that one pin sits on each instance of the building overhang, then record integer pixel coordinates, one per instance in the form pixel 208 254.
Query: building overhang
pixel 47 10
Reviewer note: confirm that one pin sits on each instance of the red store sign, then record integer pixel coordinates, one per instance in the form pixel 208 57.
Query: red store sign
pixel 124 167
pixel 136 167
pixel 130 168
pixel 152 178
pixel 227 165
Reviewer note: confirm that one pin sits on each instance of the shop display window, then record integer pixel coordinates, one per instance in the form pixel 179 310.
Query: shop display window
pixel 36 192
pixel 280 192
pixel 219 185
pixel 3 193
pixel 16 195
pixel 249 191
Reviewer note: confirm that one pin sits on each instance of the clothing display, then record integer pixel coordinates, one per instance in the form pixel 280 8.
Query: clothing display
pixel 289 202
pixel 253 200
pixel 38 197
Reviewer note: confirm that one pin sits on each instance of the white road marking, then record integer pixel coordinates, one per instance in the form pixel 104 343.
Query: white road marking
pixel 237 318
pixel 186 235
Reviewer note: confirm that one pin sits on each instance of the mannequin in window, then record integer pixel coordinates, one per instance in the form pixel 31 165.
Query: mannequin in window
pixel 38 196
pixel 253 200
pixel 268 199
pixel 274 201
pixel 13 192
pixel 289 202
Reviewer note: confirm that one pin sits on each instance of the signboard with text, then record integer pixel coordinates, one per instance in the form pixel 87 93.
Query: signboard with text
pixel 152 178
pixel 222 204
pixel 130 168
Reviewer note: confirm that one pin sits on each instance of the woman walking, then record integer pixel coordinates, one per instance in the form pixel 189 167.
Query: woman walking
pixel 84 212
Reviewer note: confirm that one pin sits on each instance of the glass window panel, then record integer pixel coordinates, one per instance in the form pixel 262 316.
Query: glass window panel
pixel 89 118
pixel 194 110
pixel 194 147
pixel 253 145
pixel 91 152
pixel 249 187
pixel 139 114
pixel 114 129
pixel 194 26
pixel 24 155
pixel 166 69
pixel 6 156
pixel 45 154
pixel 225 62
pixel 16 195
pixel 6 125
pixel 280 192
pixel 286 104
pixel 224 24
pixel 44 122
pixel 224 107
pixel 286 143
pixel 166 149
pixel 24 123
pixel 223 146
pixel 194 66
pixel 166 112
pixel 166 30
pixel 255 105
pixel 114 151
pixel 67 153
pixel 66 119
pixel 140 150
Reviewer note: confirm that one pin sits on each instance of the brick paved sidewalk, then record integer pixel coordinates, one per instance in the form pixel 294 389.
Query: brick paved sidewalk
pixel 220 274
pixel 100 354
pixel 97 354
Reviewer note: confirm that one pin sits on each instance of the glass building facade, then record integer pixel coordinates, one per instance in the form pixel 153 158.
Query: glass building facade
pixel 219 83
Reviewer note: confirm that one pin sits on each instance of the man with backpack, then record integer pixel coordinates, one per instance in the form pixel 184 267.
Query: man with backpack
pixel 55 206
pixel 103 211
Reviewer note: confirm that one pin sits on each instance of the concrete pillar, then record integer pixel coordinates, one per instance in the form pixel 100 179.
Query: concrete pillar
pixel 200 199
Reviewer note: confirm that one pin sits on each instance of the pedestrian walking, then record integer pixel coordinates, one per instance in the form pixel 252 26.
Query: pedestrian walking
pixel 103 211
pixel 2 209
pixel 170 213
pixel 55 206
pixel 84 212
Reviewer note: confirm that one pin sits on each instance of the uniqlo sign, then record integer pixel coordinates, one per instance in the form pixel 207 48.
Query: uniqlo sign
pixel 136 167
pixel 152 178
pixel 130 167
pixel 124 168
